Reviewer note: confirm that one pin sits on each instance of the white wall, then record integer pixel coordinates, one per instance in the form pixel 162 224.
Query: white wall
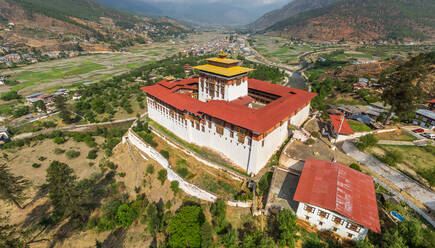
pixel 272 142
pixel 231 92
pixel 250 158
pixel 328 223
pixel 299 118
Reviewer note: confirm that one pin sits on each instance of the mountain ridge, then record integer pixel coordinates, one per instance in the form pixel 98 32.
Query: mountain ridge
pixel 365 20
pixel 292 8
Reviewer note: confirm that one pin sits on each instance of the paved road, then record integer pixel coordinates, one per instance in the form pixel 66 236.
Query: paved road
pixel 417 191
pixel 396 143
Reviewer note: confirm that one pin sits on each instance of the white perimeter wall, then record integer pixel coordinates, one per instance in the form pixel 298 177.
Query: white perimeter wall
pixel 328 223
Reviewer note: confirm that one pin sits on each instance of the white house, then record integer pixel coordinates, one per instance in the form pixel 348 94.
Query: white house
pixel 336 198
pixel 244 119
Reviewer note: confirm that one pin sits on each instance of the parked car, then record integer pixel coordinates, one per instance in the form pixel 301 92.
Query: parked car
pixel 418 130
pixel 428 135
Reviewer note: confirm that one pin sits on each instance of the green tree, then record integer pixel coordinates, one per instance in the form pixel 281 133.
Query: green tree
pixel 400 92
pixel 12 188
pixel 218 210
pixel 153 218
pixel 367 141
pixel 61 183
pixel 40 105
pixel 175 187
pixel 184 228
pixel 257 239
pixel 162 174
pixel 229 239
pixel 206 235
pixel 65 114
pixel 125 215
pixel 287 228
pixel 392 239
pixel 10 237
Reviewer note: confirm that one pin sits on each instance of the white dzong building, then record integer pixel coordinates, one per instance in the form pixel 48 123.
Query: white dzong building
pixel 246 120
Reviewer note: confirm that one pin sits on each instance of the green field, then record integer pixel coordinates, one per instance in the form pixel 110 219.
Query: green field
pixel 358 126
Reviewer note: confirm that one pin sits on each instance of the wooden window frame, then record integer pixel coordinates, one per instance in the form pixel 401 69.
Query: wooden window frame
pixel 323 214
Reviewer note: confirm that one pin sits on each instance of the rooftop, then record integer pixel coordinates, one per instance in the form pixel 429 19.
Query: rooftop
pixel 338 188
pixel 223 71
pixel 224 60
pixel 260 120
pixel 336 122
pixel 426 113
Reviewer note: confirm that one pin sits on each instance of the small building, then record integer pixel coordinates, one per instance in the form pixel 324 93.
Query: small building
pixel 425 118
pixel 350 110
pixel 432 104
pixel 339 126
pixel 333 197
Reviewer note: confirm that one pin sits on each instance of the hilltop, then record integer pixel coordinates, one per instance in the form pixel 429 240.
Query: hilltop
pixel 362 20
pixel 291 9
pixel 60 24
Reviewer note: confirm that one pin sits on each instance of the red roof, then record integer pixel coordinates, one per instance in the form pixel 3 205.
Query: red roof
pixel 338 188
pixel 336 122
pixel 244 100
pixel 432 101
pixel 258 120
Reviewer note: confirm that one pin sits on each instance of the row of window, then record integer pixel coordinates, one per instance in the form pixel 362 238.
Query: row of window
pixel 337 220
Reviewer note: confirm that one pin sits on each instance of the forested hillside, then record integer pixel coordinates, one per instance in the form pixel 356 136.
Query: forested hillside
pixel 289 10
pixel 393 20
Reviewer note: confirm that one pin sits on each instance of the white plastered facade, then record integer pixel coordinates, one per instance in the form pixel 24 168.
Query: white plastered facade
pixel 251 156
pixel 343 227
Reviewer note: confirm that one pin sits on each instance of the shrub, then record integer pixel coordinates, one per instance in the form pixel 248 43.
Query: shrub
pixel 183 172
pixel 264 183
pixel 355 167
pixel 121 174
pixel 92 154
pixel 316 134
pixel 310 142
pixel 367 141
pixel 148 138
pixel 164 153
pixel 72 154
pixel 42 158
pixel 162 174
pixel 150 169
pixel 58 151
pixel 36 165
pixel 125 215
pixel 59 140
pixel 392 158
pixel 175 187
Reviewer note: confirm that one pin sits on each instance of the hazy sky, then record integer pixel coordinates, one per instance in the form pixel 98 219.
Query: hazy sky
pixel 236 2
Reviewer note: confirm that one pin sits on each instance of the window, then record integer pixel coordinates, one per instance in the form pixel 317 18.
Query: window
pixel 262 143
pixel 350 235
pixel 323 214
pixel 337 220
pixel 209 124
pixel 197 125
pixel 353 226
pixel 320 223
pixel 219 129
pixel 203 128
pixel 307 217
pixel 334 229
pixel 231 133
pixel 309 209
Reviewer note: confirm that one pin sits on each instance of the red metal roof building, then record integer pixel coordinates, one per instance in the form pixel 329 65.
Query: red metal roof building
pixel 244 119
pixel 340 189
pixel 336 121
pixel 288 102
